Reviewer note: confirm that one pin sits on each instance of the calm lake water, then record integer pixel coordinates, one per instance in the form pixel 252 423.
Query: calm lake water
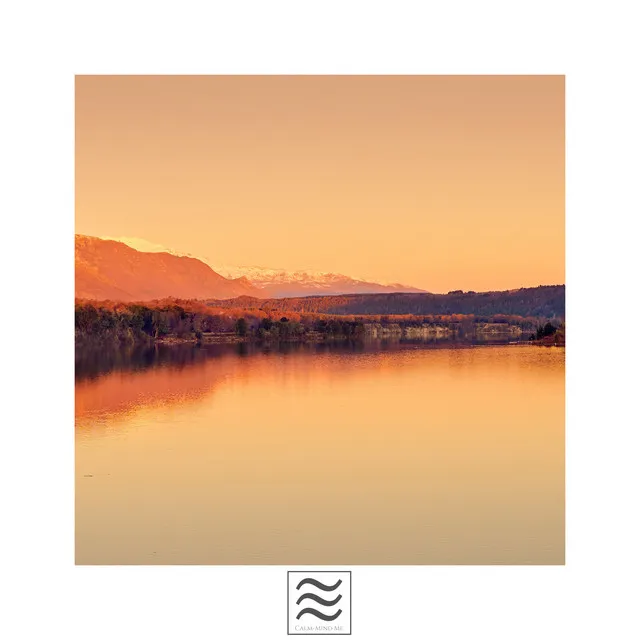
pixel 308 454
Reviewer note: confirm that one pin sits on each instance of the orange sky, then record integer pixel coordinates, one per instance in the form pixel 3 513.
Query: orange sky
pixel 441 182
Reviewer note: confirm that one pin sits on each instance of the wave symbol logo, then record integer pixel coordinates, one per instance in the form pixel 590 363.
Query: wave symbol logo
pixel 319 602
pixel 318 599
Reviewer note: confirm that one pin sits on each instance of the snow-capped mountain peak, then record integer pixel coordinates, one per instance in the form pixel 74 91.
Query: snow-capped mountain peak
pixel 279 283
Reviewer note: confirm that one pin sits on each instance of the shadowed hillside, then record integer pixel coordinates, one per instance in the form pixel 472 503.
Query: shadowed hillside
pixel 543 301
pixel 106 269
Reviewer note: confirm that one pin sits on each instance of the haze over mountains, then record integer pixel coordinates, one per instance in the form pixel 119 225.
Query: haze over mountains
pixel 280 283
pixel 135 269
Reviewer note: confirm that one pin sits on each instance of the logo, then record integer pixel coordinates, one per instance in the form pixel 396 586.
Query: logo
pixel 319 603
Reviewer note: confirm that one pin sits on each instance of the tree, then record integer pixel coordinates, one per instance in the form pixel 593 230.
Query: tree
pixel 241 327
pixel 546 330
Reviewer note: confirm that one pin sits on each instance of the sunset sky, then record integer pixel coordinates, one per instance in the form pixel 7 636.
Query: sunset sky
pixel 441 182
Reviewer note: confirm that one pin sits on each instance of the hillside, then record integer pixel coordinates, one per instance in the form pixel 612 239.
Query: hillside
pixel 106 269
pixel 543 301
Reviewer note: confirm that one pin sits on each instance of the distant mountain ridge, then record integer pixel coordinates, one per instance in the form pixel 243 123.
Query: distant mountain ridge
pixel 547 301
pixel 111 270
pixel 280 283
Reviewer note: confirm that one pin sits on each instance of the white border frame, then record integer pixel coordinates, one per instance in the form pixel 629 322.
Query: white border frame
pixel 45 44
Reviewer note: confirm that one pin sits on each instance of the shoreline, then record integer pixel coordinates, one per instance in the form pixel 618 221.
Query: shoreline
pixel 549 341
pixel 231 339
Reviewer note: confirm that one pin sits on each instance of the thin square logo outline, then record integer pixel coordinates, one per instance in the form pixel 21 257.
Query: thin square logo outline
pixel 350 602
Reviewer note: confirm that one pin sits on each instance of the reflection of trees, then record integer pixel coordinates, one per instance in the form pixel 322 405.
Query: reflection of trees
pixel 93 361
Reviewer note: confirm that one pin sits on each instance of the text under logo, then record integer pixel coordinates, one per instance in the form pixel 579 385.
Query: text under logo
pixel 319 602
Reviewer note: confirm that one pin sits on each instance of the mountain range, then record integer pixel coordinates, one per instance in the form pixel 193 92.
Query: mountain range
pixel 280 283
pixel 116 270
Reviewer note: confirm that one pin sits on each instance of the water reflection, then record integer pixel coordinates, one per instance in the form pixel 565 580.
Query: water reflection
pixel 344 453
pixel 93 361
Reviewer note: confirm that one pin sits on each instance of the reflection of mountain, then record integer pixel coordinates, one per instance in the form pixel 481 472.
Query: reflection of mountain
pixel 120 381
pixel 117 381
pixel 106 269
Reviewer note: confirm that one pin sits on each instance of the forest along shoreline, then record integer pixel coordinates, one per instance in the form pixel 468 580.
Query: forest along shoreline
pixel 189 321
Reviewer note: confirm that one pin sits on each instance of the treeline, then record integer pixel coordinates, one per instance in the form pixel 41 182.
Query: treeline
pixel 285 329
pixel 129 323
pixel 194 320
pixel 540 302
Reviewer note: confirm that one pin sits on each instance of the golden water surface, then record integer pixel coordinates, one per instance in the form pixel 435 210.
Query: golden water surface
pixel 379 456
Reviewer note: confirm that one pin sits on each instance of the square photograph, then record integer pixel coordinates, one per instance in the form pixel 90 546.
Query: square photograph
pixel 320 320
